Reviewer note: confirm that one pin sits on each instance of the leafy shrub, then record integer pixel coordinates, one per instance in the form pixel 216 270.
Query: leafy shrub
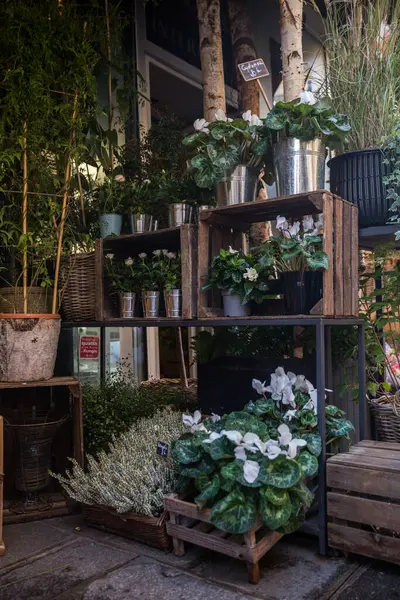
pixel 131 476
pixel 109 409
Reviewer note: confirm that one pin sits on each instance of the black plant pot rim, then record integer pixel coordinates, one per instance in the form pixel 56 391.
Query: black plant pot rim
pixel 354 153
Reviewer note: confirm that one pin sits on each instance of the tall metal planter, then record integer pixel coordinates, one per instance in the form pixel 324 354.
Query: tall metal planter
pixel 239 187
pixel 299 166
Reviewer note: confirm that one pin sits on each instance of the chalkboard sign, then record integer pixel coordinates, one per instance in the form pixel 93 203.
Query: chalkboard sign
pixel 162 449
pixel 253 69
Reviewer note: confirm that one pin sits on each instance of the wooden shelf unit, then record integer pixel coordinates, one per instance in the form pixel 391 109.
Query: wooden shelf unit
pixel 222 227
pixel 174 239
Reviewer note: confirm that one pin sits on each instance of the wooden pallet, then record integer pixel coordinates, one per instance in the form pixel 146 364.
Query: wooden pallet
pixel 174 239
pixel 189 524
pixel 222 227
pixel 364 500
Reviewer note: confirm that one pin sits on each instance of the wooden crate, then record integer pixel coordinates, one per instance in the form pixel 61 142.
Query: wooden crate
pixel 364 500
pixel 2 546
pixel 221 227
pixel 189 524
pixel 174 239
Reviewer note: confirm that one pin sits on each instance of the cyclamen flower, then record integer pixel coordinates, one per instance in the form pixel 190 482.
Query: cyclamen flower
pixel 252 119
pixel 194 422
pixel 318 225
pixel 282 223
pixel 129 261
pixel 142 255
pixel 220 115
pixel 233 251
pixel 157 252
pixel 289 415
pixel 251 469
pixel 308 223
pixel 109 256
pixel 171 255
pixel 201 125
pixel 260 388
pixel 307 98
pixel 251 274
pixel 286 439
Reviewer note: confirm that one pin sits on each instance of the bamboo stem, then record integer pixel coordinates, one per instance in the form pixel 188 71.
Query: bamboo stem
pixel 110 105
pixel 78 175
pixel 67 180
pixel 25 219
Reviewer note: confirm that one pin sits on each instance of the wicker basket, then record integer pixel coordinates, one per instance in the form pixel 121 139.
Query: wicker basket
pixel 79 295
pixel 387 420
pixel 12 300
pixel 151 531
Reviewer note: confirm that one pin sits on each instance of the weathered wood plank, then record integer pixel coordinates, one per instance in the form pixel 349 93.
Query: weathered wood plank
pixel 365 543
pixel 354 262
pixel 347 258
pixel 206 541
pixel 328 293
pixel 375 452
pixel 186 232
pixel 364 510
pixel 338 248
pixel 202 267
pixel 367 462
pixel 364 481
pixel 391 446
pixel 266 543
pixel 186 509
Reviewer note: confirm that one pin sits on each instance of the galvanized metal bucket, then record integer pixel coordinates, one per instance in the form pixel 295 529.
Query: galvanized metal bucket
pixel 127 304
pixel 239 187
pixel 110 224
pixel 151 304
pixel 143 222
pixel 173 303
pixel 299 166
pixel 179 214
pixel 233 307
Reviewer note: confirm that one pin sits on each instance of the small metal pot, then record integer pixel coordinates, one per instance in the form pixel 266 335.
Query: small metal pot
pixel 127 304
pixel 110 224
pixel 299 166
pixel 151 304
pixel 179 213
pixel 233 307
pixel 173 303
pixel 239 187
pixel 142 222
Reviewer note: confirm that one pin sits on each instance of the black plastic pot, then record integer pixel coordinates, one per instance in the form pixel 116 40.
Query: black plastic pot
pixel 358 177
pixel 301 291
pixel 224 384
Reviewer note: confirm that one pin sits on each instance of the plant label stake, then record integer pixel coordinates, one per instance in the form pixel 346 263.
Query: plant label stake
pixel 162 449
pixel 253 70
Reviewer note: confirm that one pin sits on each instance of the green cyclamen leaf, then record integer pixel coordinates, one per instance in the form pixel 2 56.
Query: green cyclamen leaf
pixel 293 524
pixel 339 427
pixel 274 516
pixel 301 497
pixel 208 492
pixel 234 514
pixel 281 473
pixel 246 423
pixel 220 448
pixel 308 462
pixel 314 443
pixel 261 407
pixel 186 451
pixel 275 496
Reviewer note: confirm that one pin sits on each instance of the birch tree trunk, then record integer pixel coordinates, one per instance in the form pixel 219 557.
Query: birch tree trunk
pixel 292 48
pixel 212 65
pixel 244 50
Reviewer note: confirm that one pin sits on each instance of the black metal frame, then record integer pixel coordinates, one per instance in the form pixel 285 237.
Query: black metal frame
pixel 323 368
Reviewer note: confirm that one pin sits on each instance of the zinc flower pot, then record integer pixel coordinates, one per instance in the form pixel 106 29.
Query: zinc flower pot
pixel 238 187
pixel 142 222
pixel 110 224
pixel 358 177
pixel 173 303
pixel 179 214
pixel 28 346
pixel 299 166
pixel 127 304
pixel 301 291
pixel 151 304
pixel 233 307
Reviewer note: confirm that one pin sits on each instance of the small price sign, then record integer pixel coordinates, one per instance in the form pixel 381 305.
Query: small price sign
pixel 89 347
pixel 162 449
pixel 253 69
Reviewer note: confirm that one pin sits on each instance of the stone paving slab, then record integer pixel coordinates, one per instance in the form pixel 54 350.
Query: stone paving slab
pixel 49 576
pixel 27 539
pixel 380 581
pixel 291 570
pixel 149 580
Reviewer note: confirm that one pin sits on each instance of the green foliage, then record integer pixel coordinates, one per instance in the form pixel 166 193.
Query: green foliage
pixel 217 148
pixel 391 151
pixel 111 407
pixel 306 122
pixel 235 513
pixel 237 273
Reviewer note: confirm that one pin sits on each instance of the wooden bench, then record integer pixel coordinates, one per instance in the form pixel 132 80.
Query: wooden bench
pixel 364 500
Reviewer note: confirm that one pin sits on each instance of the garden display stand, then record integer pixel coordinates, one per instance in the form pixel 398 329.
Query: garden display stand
pixel 61 507
pixel 224 227
pixel 189 524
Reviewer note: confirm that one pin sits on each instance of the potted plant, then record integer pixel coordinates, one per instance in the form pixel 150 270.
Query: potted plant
pixel 240 278
pixel 297 255
pixel 141 204
pixel 363 80
pixel 151 274
pixel 271 447
pixel 172 282
pixel 225 153
pixel 111 197
pixel 124 275
pixel 122 490
pixel 299 132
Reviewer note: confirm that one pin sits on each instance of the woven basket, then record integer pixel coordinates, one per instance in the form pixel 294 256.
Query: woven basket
pixel 12 300
pixel 79 295
pixel 151 531
pixel 387 420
